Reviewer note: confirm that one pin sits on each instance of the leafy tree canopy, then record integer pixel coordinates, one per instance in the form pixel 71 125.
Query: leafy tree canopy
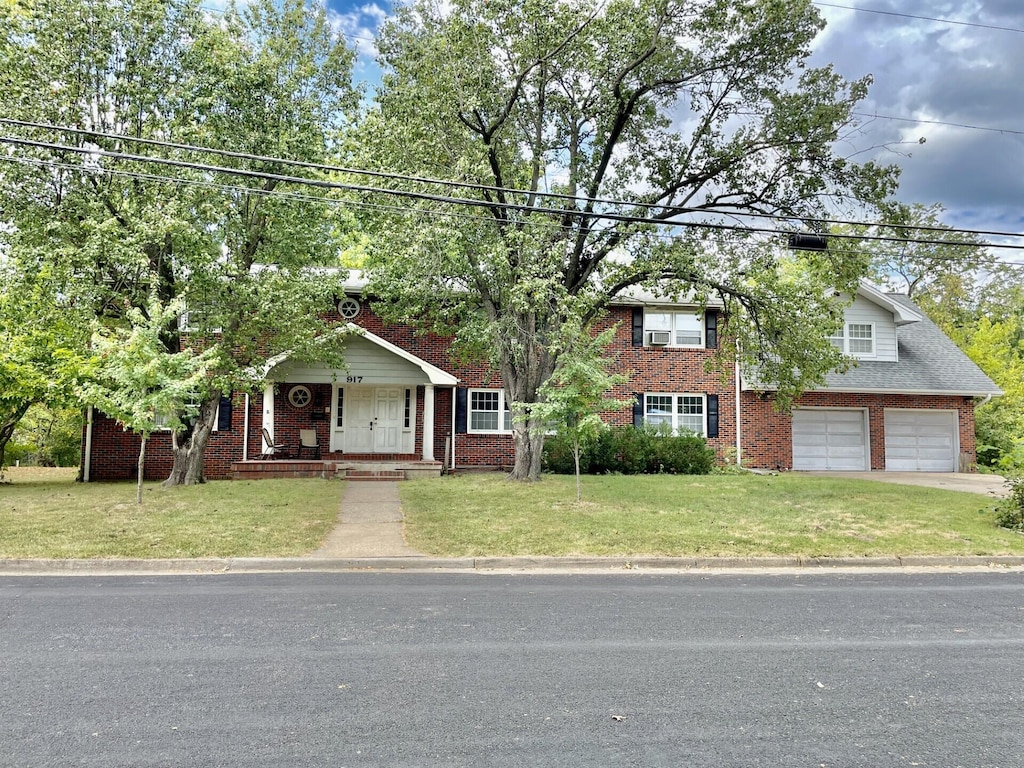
pixel 150 79
pixel 585 133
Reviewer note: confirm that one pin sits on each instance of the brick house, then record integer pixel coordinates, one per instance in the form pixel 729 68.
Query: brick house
pixel 907 405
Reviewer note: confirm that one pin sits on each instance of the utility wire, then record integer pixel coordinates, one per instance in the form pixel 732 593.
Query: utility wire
pixel 404 210
pixel 914 16
pixel 447 199
pixel 465 185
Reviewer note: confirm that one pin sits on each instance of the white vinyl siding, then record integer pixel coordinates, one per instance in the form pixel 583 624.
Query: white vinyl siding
pixel 366 363
pixel 921 440
pixel 830 439
pixel 488 411
pixel 866 313
pixel 682 413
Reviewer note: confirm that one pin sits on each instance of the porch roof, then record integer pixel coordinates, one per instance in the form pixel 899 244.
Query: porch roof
pixel 433 374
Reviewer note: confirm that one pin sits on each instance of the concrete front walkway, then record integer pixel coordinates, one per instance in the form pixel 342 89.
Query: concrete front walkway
pixel 969 482
pixel 369 524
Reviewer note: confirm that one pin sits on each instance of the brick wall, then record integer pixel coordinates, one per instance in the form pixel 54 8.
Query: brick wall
pixel 767 435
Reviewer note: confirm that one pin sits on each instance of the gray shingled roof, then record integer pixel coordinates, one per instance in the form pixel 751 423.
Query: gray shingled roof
pixel 929 363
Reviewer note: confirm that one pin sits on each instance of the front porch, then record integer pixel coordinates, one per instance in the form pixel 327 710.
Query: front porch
pixel 337 468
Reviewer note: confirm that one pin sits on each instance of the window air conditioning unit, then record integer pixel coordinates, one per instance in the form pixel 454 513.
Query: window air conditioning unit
pixel 660 338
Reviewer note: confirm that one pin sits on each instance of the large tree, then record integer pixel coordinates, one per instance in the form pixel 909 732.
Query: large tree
pixel 642 116
pixel 267 79
pixel 41 345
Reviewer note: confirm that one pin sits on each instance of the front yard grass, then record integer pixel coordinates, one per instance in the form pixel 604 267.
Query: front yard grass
pixel 45 514
pixel 704 516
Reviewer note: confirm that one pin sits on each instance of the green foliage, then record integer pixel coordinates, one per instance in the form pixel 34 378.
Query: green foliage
pixel 1010 511
pixel 631 451
pixel 267 77
pixel 652 109
pixel 48 436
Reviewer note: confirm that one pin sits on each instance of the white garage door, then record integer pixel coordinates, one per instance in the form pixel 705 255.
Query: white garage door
pixel 920 441
pixel 826 438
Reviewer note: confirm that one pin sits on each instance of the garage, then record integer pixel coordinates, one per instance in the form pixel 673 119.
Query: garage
pixel 920 440
pixel 830 438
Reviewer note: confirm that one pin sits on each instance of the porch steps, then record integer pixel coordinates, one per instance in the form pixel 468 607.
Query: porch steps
pixel 370 475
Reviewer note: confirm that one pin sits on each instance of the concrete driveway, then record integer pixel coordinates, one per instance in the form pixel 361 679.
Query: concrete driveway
pixel 987 485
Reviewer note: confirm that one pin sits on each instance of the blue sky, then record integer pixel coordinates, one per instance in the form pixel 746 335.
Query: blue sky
pixel 945 80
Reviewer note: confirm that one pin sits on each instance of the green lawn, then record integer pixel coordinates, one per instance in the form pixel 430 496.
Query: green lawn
pixel 44 514
pixel 705 516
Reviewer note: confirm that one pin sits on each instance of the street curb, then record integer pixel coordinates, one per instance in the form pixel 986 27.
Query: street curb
pixel 213 566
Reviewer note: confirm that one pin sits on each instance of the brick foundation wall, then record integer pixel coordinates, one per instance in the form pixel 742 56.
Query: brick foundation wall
pixel 767 435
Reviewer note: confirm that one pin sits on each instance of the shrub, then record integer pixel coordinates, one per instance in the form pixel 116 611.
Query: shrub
pixel 1010 511
pixel 632 451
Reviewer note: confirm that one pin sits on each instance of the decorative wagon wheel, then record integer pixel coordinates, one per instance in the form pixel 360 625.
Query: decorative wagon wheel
pixel 299 396
pixel 348 308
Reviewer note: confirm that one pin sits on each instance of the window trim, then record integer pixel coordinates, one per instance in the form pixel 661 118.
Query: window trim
pixel 673 313
pixel 843 335
pixel 503 407
pixel 675 414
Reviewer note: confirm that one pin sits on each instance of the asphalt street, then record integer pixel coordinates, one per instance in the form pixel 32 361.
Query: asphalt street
pixel 469 669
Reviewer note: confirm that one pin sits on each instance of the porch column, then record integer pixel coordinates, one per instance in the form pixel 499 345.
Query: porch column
pixel 268 415
pixel 428 422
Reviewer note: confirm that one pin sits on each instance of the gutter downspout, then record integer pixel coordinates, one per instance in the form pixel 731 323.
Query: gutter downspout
pixel 739 439
pixel 984 401
pixel 88 445
pixel 245 434
pixel 452 468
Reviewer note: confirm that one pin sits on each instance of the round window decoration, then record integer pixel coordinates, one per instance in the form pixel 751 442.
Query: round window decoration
pixel 348 308
pixel 299 396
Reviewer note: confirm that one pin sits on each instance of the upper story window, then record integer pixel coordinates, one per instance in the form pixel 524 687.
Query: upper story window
pixel 673 329
pixel 488 411
pixel 855 339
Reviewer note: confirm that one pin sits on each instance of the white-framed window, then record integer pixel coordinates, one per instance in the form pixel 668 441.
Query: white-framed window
pixel 664 328
pixel 855 339
pixel 682 413
pixel 488 411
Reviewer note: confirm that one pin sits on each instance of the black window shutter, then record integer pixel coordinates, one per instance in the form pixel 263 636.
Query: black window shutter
pixel 712 415
pixel 638 410
pixel 638 326
pixel 224 414
pixel 711 329
pixel 461 410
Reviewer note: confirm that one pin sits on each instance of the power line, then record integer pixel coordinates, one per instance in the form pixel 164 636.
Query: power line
pixel 921 18
pixel 447 199
pixel 417 212
pixel 576 200
pixel 1008 131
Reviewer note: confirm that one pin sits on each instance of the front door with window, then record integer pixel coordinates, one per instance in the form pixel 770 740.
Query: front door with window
pixel 371 420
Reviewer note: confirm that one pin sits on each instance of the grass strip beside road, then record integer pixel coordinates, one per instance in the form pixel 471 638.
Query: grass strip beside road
pixel 724 515
pixel 45 514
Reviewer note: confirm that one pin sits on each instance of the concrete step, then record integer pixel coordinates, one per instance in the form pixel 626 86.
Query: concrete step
pixel 370 475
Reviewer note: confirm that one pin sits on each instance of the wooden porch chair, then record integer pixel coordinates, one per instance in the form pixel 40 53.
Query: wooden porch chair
pixel 273 450
pixel 308 441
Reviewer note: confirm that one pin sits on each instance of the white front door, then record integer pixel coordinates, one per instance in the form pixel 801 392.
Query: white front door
pixel 389 419
pixel 359 419
pixel 371 420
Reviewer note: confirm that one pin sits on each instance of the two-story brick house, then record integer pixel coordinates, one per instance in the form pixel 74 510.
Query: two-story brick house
pixel 908 404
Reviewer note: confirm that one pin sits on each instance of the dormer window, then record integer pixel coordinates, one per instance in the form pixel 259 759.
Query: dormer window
pixel 855 339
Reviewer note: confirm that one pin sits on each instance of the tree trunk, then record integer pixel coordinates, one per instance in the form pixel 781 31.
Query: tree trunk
pixel 189 455
pixel 8 426
pixel 529 444
pixel 576 448
pixel 142 471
